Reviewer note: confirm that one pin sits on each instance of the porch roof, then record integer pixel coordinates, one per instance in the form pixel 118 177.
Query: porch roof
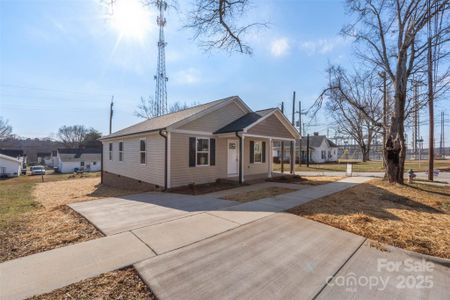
pixel 245 121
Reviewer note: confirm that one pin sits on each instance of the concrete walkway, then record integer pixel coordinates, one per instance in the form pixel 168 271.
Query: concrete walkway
pixel 202 247
pixel 43 272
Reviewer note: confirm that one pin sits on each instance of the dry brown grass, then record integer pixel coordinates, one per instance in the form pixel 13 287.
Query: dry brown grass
pixel 258 194
pixel 48 223
pixel 411 217
pixel 56 193
pixel 43 230
pixel 120 284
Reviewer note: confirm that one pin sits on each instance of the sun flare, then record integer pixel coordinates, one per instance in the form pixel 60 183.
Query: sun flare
pixel 131 19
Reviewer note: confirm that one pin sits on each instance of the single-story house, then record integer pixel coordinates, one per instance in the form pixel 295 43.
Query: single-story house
pixel 45 158
pixel 321 149
pixel 71 160
pixel 219 139
pixel 10 166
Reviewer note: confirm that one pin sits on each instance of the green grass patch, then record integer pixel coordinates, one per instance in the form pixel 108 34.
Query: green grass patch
pixel 15 199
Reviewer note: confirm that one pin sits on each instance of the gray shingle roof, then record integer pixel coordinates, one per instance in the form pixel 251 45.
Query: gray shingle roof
pixel 316 140
pixel 166 120
pixel 245 121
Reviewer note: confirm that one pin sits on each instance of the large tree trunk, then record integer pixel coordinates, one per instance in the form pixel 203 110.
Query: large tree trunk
pixel 395 147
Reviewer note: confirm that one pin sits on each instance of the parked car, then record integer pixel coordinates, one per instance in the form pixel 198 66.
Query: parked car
pixel 37 170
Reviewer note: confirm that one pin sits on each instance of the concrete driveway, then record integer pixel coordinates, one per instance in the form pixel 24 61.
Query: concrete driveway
pixel 208 248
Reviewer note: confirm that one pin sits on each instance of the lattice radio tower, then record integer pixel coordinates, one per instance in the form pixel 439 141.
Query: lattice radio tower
pixel 161 76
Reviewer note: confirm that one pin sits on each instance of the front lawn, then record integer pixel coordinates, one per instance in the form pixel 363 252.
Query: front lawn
pixel 370 166
pixel 34 217
pixel 414 217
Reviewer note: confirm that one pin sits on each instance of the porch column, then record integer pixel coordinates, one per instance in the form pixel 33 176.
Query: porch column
pixel 241 159
pixel 282 157
pixel 292 157
pixel 270 158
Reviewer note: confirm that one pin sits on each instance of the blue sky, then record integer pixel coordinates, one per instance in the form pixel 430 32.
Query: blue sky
pixel 61 61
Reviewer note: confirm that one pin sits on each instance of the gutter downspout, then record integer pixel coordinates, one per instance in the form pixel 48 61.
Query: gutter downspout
pixel 164 135
pixel 240 156
pixel 101 162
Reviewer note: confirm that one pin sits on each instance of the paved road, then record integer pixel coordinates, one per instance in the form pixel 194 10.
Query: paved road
pixel 206 248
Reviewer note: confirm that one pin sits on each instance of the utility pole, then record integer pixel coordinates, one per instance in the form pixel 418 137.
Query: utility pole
pixel 383 75
pixel 282 107
pixel 300 131
pixel 111 114
pixel 430 102
pixel 293 108
pixel 307 150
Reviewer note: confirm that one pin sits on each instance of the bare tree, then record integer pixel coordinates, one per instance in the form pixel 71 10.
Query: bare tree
pixel 147 109
pixel 5 129
pixel 363 90
pixel 72 136
pixel 392 35
pixel 217 24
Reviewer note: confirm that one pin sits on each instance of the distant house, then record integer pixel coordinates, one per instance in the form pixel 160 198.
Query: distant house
pixel 16 153
pixel 10 166
pixel 321 149
pixel 222 139
pixel 73 160
pixel 45 158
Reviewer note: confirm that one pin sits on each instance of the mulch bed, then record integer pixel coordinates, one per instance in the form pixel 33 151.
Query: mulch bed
pixel 306 180
pixel 120 284
pixel 199 189
pixel 42 230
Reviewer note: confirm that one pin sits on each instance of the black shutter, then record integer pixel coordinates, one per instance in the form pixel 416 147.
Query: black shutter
pixel 263 152
pixel 252 152
pixel 192 141
pixel 212 152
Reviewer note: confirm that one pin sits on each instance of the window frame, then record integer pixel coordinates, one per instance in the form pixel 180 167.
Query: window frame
pixel 260 152
pixel 143 151
pixel 323 154
pixel 197 151
pixel 121 151
pixel 110 151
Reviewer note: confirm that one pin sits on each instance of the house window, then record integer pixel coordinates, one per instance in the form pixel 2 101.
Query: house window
pixel 257 149
pixel 324 154
pixel 202 152
pixel 142 151
pixel 120 151
pixel 82 164
pixel 110 151
pixel 94 163
pixel 329 153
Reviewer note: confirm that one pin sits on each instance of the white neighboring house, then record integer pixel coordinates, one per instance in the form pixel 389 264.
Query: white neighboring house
pixel 10 166
pixel 71 160
pixel 321 149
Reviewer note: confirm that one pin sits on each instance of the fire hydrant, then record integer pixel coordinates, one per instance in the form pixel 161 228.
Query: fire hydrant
pixel 411 175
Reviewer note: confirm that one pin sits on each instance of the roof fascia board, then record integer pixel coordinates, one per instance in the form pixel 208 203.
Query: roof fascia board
pixel 10 158
pixel 192 132
pixel 132 135
pixel 268 137
pixel 211 109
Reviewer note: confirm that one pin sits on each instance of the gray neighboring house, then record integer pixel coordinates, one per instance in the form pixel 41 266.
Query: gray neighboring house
pixel 220 139
pixel 321 149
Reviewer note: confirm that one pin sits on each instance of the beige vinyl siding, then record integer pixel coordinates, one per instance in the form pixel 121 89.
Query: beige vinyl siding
pixel 151 172
pixel 255 168
pixel 182 174
pixel 216 120
pixel 271 126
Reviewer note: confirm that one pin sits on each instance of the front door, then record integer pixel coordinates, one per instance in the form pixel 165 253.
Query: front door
pixel 233 157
